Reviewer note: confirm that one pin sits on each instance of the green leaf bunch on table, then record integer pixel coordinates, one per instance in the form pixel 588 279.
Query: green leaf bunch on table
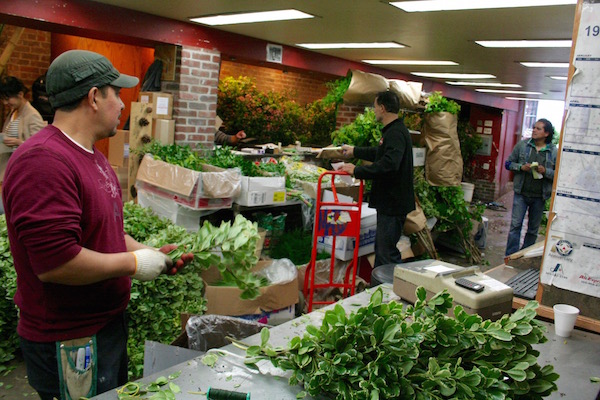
pixel 389 351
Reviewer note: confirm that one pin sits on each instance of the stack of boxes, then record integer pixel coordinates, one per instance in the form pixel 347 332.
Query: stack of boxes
pixel 163 124
pixel 151 118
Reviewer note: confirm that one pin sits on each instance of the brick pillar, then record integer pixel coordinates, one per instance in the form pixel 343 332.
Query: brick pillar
pixel 195 95
pixel 347 113
pixel 31 56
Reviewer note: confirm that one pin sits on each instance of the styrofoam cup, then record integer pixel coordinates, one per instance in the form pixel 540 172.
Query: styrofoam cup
pixel 564 319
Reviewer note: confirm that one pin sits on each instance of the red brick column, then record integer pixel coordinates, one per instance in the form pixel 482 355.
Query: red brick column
pixel 347 113
pixel 195 96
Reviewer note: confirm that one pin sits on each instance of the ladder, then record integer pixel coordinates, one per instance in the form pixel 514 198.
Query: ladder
pixel 333 219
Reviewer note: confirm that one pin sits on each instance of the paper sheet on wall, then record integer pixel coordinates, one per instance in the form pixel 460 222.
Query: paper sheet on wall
pixel 572 253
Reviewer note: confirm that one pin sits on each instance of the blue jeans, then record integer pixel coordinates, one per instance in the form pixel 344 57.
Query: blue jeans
pixel 520 206
pixel 389 231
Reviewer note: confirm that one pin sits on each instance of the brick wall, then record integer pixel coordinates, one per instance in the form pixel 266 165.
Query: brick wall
pixel 485 190
pixel 195 95
pixel 31 55
pixel 347 113
pixel 302 87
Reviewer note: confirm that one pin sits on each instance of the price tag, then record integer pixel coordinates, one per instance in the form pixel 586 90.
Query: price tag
pixel 279 197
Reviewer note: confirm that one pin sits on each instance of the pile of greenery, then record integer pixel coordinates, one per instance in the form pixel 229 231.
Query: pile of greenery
pixel 296 245
pixel 156 306
pixel 438 103
pixel 276 117
pixel 387 351
pixel 223 157
pixel 364 131
pixel 453 213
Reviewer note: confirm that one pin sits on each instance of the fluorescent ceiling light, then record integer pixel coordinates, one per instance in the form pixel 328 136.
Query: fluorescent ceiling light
pixel 522 98
pixel 409 62
pixel 506 91
pixel 374 45
pixel 445 75
pixel 524 43
pixel 488 84
pixel 545 64
pixel 246 18
pixel 559 78
pixel 449 5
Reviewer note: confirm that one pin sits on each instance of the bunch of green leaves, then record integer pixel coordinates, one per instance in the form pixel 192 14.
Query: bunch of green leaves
pixel 438 103
pixel 230 247
pixel 9 341
pixel 155 306
pixel 161 389
pixel 470 142
pixel 182 156
pixel 336 90
pixel 224 157
pixel 155 310
pixel 296 245
pixel 447 204
pixel 364 131
pixel 388 351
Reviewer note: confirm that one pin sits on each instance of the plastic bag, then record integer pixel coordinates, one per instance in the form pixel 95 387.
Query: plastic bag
pixel 210 331
pixel 279 272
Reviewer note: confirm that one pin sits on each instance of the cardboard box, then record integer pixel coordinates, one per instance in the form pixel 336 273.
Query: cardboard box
pixel 116 148
pixel 193 189
pixel 310 188
pixel 163 131
pixel 344 246
pixel 225 300
pixel 161 103
pixel 258 191
pixel 168 207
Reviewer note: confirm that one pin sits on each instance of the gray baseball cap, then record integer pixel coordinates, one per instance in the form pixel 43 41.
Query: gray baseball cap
pixel 72 74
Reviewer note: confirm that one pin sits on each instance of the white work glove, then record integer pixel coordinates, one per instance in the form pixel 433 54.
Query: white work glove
pixel 149 264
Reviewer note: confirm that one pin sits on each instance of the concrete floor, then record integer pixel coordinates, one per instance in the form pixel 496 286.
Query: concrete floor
pixel 14 385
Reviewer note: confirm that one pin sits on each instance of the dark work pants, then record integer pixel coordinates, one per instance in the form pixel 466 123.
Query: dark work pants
pixel 42 365
pixel 389 231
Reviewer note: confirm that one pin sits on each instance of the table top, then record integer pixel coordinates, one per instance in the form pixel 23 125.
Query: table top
pixel 576 359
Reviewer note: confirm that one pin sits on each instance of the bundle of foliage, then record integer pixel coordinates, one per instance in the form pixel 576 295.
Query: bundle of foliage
pixel 175 154
pixel 223 157
pixel 470 142
pixel 296 245
pixel 9 340
pixel 388 351
pixel 447 204
pixel 363 131
pixel 156 306
pixel 272 117
pixel 438 103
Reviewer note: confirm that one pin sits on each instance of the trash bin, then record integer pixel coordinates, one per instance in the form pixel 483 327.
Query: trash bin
pixel 382 274
pixel 210 331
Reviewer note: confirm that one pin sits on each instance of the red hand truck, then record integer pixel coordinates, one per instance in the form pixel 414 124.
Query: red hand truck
pixel 336 219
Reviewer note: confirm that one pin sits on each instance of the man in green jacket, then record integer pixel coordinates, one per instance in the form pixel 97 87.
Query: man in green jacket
pixel 533 163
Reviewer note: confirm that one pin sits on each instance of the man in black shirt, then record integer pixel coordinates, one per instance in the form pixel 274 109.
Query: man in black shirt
pixel 392 192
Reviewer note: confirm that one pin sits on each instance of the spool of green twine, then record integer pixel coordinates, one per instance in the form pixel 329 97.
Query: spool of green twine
pixel 220 394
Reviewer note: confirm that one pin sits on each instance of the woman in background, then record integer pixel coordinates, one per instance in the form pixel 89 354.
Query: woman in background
pixel 22 121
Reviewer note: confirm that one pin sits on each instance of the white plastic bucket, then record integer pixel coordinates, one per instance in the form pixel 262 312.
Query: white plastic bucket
pixel 468 189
